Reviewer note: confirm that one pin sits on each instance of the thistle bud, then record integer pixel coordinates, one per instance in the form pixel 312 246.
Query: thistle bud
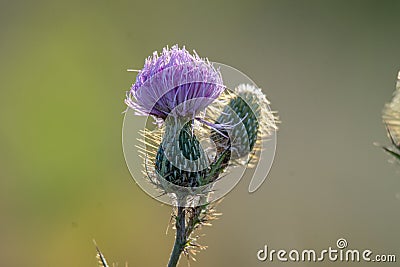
pixel 180 158
pixel 244 120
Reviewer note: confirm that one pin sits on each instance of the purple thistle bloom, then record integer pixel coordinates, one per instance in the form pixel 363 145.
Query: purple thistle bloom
pixel 174 83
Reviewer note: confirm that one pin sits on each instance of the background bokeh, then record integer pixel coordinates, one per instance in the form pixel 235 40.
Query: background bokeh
pixel 327 67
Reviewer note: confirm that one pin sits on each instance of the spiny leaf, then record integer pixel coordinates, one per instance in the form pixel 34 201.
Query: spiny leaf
pixel 391 152
pixel 100 256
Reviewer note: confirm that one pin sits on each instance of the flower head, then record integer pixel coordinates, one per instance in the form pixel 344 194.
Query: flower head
pixel 174 83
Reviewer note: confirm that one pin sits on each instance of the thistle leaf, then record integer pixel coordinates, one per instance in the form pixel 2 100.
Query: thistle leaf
pixel 391 152
pixel 100 256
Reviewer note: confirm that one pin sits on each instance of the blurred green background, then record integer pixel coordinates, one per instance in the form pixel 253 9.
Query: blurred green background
pixel 327 67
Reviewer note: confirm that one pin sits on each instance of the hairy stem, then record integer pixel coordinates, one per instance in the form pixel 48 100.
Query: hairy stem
pixel 180 239
pixel 194 220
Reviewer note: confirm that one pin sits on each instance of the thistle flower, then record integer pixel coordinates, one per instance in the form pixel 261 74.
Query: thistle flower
pixel 176 87
pixel 168 82
pixel 179 90
pixel 245 121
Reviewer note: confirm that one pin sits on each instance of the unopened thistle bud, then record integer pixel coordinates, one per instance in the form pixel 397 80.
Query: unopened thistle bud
pixel 180 158
pixel 245 120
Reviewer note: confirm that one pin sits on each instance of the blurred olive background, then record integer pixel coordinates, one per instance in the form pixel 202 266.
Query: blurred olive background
pixel 328 67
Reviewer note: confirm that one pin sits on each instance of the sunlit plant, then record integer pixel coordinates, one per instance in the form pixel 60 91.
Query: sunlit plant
pixel 203 128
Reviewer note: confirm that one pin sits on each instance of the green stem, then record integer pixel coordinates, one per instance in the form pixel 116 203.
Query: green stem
pixel 180 239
